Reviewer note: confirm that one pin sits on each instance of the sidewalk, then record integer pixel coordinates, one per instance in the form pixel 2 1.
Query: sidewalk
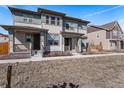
pixel 56 58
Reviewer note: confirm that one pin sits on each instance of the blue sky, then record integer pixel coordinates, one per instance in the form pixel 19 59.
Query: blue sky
pixel 96 14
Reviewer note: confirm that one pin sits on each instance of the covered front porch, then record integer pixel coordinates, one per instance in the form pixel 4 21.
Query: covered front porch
pixel 116 44
pixel 26 39
pixel 72 42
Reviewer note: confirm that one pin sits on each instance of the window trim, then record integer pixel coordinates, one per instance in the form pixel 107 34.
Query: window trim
pixel 53 21
pixel 53 40
pixel 27 34
pixel 98 35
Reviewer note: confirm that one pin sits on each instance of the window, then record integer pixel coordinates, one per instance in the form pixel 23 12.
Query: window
pixel 82 26
pixel 56 42
pixel 5 38
pixel 37 16
pixel 70 25
pixel 97 35
pixel 30 20
pixel 18 14
pixel 53 39
pixel 28 37
pixel 58 21
pixel 67 26
pixel 47 19
pixel 50 42
pixel 27 15
pixel 52 20
pixel 115 33
pixel 25 19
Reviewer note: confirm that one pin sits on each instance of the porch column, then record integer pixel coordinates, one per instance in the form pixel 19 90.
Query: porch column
pixel 79 45
pixel 11 41
pixel 61 43
pixel 42 43
pixel 123 44
pixel 118 45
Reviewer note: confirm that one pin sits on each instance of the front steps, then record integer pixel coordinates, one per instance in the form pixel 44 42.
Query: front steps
pixel 76 54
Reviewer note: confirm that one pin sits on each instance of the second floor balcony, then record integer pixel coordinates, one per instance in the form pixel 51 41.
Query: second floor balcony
pixel 27 20
pixel 82 30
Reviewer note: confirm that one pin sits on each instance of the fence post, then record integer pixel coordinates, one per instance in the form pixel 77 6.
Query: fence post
pixel 9 71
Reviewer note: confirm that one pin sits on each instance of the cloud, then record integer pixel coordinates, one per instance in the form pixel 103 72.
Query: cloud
pixel 102 11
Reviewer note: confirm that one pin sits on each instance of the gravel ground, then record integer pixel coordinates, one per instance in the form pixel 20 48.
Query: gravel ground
pixel 86 72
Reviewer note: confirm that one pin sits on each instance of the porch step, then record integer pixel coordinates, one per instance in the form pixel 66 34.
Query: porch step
pixel 16 55
pixel 36 53
pixel 75 54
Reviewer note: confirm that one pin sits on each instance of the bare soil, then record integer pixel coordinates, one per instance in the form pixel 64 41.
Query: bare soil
pixel 86 72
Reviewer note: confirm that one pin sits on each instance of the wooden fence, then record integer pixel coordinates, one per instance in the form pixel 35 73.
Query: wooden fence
pixel 3 49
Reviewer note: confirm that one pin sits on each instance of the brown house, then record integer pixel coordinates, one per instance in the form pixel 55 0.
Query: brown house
pixel 110 35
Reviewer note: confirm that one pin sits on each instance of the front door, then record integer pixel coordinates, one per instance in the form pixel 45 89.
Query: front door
pixel 68 44
pixel 36 41
pixel 121 44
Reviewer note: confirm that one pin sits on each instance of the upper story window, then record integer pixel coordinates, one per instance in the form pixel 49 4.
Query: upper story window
pixel 67 26
pixel 70 25
pixel 52 20
pixel 97 35
pixel 30 20
pixel 47 19
pixel 58 21
pixel 18 14
pixel 25 20
pixel 80 26
pixel 115 33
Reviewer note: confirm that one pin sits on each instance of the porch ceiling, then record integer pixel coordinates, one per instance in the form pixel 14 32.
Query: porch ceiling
pixel 23 28
pixel 72 34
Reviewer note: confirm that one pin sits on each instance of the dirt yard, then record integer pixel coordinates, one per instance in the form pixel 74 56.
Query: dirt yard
pixel 86 72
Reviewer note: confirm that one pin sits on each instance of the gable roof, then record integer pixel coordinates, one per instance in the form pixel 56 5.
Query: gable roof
pixel 109 26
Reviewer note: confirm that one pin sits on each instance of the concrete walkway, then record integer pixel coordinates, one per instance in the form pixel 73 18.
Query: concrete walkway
pixel 56 58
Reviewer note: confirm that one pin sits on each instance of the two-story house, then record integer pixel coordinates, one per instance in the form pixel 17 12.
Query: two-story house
pixel 110 35
pixel 45 31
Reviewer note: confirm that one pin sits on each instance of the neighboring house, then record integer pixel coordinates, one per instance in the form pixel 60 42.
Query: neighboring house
pixel 3 38
pixel 45 31
pixel 111 39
